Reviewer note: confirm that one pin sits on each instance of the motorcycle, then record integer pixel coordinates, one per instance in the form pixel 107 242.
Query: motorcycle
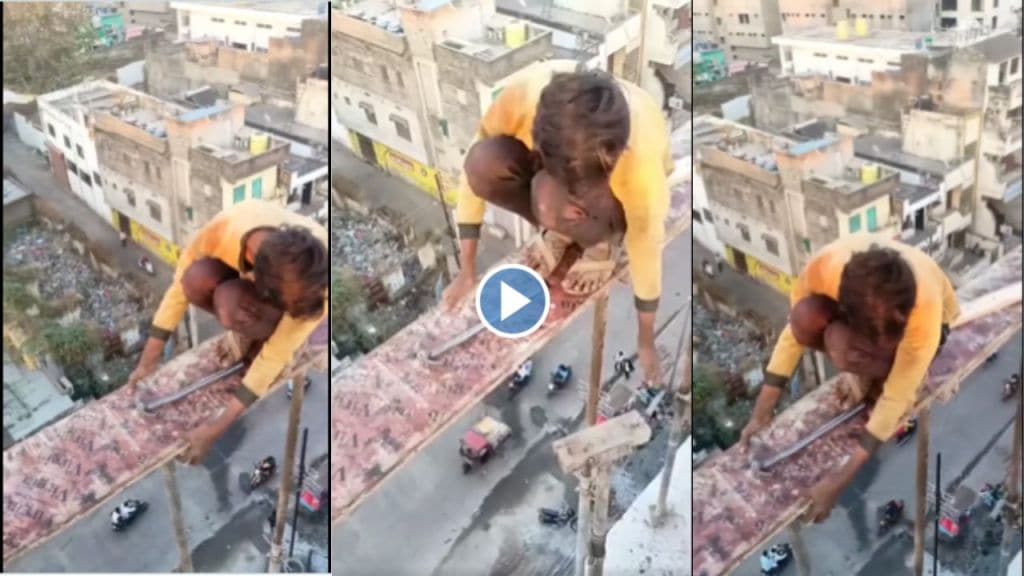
pixel 126 513
pixel 906 431
pixel 782 554
pixel 1010 387
pixel 263 471
pixel 991 495
pixel 291 386
pixel 520 378
pixel 559 378
pixel 147 265
pixel 889 515
pixel 624 367
pixel 552 517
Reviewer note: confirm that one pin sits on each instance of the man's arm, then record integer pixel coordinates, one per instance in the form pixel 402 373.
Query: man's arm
pixel 276 353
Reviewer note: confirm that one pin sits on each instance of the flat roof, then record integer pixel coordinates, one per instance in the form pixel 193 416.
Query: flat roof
pixel 548 13
pixel 281 122
pixel 896 40
pixel 304 8
pixel 913 193
pixel 1000 47
pixel 131 106
pixel 889 150
pixel 381 14
pixel 13 192
pixel 303 165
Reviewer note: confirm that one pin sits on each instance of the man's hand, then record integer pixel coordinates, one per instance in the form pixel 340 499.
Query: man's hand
pixel 457 290
pixel 823 498
pixel 200 441
pixel 149 361
pixel 756 424
pixel 649 364
pixel 141 372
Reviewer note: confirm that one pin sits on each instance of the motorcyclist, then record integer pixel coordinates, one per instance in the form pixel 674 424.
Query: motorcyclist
pixel 1010 387
pixel 524 370
pixel 623 364
pixel 892 510
pixel 768 562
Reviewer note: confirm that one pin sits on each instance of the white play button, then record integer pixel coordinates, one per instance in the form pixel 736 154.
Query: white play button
pixel 512 301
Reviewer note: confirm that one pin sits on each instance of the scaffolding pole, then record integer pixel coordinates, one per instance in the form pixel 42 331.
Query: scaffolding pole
pixel 921 503
pixel 1012 506
pixel 677 431
pixel 599 523
pixel 803 560
pixel 287 472
pixel 177 519
pixel 586 501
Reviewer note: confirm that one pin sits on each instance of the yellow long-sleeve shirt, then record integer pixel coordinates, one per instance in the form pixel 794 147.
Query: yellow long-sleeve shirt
pixel 223 238
pixel 638 180
pixel 935 304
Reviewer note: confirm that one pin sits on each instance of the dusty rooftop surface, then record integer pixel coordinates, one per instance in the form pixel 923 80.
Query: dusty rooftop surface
pixel 64 273
pixel 297 7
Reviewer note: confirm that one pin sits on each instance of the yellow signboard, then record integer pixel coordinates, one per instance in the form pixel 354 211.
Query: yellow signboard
pixel 158 245
pixel 423 176
pixel 780 281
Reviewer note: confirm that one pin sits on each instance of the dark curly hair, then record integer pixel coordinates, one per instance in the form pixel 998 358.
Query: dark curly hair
pixel 291 254
pixel 877 291
pixel 581 126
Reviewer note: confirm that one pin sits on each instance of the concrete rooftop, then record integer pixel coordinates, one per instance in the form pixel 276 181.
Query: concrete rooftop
pixel 306 8
pixel 13 192
pixel 897 40
pixel 889 150
pixel 31 400
pixel 131 106
pixel 547 13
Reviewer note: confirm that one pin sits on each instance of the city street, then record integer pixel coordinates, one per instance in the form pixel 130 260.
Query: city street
pixel 452 524
pixel 974 424
pixel 225 527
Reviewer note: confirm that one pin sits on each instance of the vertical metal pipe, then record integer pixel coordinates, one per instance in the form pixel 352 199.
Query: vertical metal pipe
pixel 938 512
pixel 298 491
pixel 921 492
pixel 676 433
pixel 177 519
pixel 287 468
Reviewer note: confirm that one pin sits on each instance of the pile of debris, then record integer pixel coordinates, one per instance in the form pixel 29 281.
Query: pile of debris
pixel 365 243
pixel 65 272
pixel 730 342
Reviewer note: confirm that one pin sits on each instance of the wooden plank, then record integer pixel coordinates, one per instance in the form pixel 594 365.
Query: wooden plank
pixel 70 468
pixel 627 431
pixel 392 401
pixel 738 509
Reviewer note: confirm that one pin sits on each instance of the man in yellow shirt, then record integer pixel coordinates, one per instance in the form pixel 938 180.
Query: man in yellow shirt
pixel 262 270
pixel 879 309
pixel 585 157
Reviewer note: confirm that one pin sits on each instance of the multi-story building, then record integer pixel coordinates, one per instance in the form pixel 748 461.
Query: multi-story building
pixel 108 24
pixel 147 14
pixel 849 52
pixel 986 14
pixel 410 84
pixel 245 26
pixel 911 15
pixel 156 169
pixel 743 28
pixel 66 120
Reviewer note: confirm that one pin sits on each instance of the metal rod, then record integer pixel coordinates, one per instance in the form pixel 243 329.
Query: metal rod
pixel 294 415
pixel 298 491
pixel 1012 505
pixel 675 438
pixel 938 512
pixel 455 342
pixel 447 217
pixel 177 519
pixel 193 388
pixel 810 439
pixel 596 357
pixel 803 560
pixel 921 488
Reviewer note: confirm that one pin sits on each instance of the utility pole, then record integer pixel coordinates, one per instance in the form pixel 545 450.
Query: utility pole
pixel 1012 505
pixel 287 471
pixel 589 454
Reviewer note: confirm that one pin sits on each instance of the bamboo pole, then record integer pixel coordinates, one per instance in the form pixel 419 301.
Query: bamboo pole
pixel 676 434
pixel 803 561
pixel 1012 506
pixel 923 427
pixel 177 519
pixel 287 470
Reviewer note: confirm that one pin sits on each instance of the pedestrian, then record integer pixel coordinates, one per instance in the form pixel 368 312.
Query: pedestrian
pixel 719 262
pixel 585 156
pixel 880 310
pixel 124 239
pixel 280 311
pixel 272 519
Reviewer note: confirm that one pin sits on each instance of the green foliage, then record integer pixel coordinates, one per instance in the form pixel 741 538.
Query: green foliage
pixel 47 45
pixel 17 298
pixel 70 345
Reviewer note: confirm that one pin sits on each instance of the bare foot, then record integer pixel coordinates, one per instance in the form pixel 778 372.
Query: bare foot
pixel 593 269
pixel 546 252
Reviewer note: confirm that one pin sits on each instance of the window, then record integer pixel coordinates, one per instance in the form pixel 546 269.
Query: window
pixel 842 57
pixel 264 26
pixel 67 143
pixel 854 224
pixel 149 173
pixel 154 210
pixel 217 19
pixel 1014 65
pixel 744 18
pixel 240 22
pixel 189 213
pixel 357 64
pixel 96 178
pixel 744 231
pixel 697 216
pixel 872 219
pixel 398 79
pixel 81 154
pixel 772 245
pixel 401 127
pixel 129 195
pixel 976 5
pixel 127 159
pixel 444 127
pixel 384 73
pixel 257 188
pixel 85 177
pixel 371 117
pixel 348 102
pixel 760 203
pixel 239 193
pixel 994 21
pixel 72 168
pixel 865 61
pixel 295 30
pixel 52 131
pixel 807 245
pixel 157 170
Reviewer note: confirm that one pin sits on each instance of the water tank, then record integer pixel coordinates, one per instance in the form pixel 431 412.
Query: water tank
pixel 259 143
pixel 869 173
pixel 843 30
pixel 860 27
pixel 515 34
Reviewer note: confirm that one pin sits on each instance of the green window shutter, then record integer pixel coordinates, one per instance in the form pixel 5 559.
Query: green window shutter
pixel 872 219
pixel 854 223
pixel 239 193
pixel 257 188
pixel 495 92
pixel 807 245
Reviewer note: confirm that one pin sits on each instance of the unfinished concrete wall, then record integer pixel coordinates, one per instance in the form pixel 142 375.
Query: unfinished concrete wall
pixel 311 103
pixel 364 64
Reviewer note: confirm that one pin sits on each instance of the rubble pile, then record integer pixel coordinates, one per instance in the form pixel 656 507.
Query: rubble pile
pixel 369 245
pixel 730 342
pixel 66 273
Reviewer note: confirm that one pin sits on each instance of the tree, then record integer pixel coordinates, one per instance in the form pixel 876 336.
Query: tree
pixel 70 345
pixel 16 296
pixel 47 45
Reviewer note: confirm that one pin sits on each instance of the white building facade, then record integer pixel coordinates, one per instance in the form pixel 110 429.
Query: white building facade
pixel 246 28
pixel 842 54
pixel 65 124
pixel 985 14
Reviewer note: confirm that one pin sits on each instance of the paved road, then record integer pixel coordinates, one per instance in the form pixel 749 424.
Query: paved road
pixel 964 431
pixel 224 525
pixel 429 506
